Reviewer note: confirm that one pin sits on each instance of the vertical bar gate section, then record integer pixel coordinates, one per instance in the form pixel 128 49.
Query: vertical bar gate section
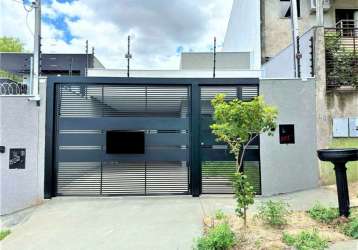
pixel 217 163
pixel 83 115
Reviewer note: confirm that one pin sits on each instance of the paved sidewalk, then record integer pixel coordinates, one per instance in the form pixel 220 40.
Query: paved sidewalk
pixel 165 222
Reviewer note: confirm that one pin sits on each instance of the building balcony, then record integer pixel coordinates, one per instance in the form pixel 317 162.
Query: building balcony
pixel 342 55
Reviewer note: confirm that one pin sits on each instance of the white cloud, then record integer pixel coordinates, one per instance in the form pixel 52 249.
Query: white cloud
pixel 160 27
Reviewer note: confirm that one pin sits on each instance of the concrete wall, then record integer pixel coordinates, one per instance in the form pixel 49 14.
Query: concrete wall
pixel 291 167
pixel 22 125
pixel 224 61
pixel 276 31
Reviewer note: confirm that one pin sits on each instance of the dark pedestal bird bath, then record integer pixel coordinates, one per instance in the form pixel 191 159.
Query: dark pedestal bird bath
pixel 339 157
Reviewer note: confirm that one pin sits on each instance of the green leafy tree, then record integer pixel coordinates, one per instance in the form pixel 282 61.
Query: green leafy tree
pixel 238 123
pixel 11 44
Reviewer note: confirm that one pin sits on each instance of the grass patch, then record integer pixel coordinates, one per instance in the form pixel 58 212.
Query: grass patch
pixel 220 215
pixel 351 228
pixel 4 233
pixel 326 168
pixel 305 240
pixel 218 237
pixel 323 214
pixel 274 213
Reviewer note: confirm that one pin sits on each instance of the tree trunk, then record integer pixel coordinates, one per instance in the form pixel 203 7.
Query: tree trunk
pixel 238 162
pixel 245 218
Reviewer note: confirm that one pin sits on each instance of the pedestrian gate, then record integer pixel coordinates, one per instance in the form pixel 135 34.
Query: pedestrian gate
pixel 180 155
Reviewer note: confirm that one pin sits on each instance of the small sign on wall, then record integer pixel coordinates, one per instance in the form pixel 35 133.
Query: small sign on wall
pixel 17 158
pixel 287 133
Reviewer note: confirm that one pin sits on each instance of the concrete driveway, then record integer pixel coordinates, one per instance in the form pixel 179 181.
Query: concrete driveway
pixel 163 222
pixel 109 223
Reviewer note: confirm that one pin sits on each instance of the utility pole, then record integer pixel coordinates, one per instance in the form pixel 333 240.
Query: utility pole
pixel 319 13
pixel 295 36
pixel 86 72
pixel 37 51
pixel 214 65
pixel 128 55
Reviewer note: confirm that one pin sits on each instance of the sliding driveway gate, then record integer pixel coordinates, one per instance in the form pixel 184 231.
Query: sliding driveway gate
pixel 167 120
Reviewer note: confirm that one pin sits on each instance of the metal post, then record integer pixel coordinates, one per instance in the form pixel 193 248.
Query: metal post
pixel 31 80
pixel 195 141
pixel 298 57
pixel 342 188
pixel 128 55
pixel 319 13
pixel 214 66
pixel 37 51
pixel 86 58
pixel 294 22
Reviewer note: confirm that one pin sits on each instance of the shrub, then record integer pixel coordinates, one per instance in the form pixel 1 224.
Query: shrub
pixel 322 213
pixel 351 228
pixel 220 215
pixel 220 237
pixel 305 240
pixel 273 213
pixel 4 233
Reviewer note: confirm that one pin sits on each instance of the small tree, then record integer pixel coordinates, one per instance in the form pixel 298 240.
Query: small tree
pixel 238 123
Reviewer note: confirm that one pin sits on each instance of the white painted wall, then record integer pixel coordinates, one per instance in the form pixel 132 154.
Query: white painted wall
pixel 243 32
pixel 175 73
pixel 22 125
pixel 224 61
pixel 291 167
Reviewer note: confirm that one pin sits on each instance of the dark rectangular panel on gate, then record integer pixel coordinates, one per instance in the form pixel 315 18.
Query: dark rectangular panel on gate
pixel 125 142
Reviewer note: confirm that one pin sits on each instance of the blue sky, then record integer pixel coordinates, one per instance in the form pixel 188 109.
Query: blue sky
pixel 161 29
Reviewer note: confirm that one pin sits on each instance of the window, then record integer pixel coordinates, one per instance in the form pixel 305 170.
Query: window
pixel 285 6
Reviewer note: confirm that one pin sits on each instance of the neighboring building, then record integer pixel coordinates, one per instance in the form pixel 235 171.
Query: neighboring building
pixel 51 64
pixel 276 23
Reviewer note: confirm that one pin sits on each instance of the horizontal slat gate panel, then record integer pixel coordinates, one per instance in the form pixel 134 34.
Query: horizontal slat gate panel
pixel 217 176
pixel 157 139
pixel 82 178
pixel 165 154
pixel 86 112
pixel 218 165
pixel 167 178
pixel 123 178
pixel 125 123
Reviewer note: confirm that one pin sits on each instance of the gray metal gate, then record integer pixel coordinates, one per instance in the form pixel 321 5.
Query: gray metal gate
pixel 86 112
pixel 217 164
pixel 181 154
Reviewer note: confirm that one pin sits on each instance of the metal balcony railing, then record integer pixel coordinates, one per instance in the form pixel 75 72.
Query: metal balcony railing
pixel 342 55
